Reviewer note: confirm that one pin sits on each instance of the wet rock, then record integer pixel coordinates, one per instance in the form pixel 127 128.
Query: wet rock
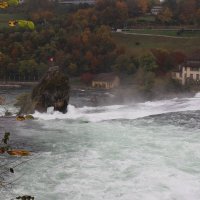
pixel 29 117
pixel 20 118
pixel 52 91
pixel 8 114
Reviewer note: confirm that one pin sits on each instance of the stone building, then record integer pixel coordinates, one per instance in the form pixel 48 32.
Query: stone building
pixel 189 71
pixel 106 81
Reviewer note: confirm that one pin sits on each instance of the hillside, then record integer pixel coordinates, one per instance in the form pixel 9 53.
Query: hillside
pixel 138 43
pixel 5 17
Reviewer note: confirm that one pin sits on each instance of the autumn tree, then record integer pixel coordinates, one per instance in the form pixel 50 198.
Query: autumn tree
pixel 143 5
pixel 198 16
pixel 167 60
pixel 171 4
pixel 82 19
pixel 132 8
pixel 112 12
pixel 43 16
pixel 184 11
pixel 178 57
pixel 16 51
pixel 122 12
pixel 165 16
pixel 35 5
pixel 28 69
pixel 188 10
pixel 4 60
pixel 147 61
pixel 87 78
pixel 125 64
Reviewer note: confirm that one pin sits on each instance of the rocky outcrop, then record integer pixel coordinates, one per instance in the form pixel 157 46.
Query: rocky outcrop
pixel 52 91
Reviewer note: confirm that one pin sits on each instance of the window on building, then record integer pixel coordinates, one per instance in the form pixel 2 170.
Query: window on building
pixel 197 77
pixel 191 76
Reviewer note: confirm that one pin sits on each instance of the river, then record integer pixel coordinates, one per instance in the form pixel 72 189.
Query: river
pixel 137 151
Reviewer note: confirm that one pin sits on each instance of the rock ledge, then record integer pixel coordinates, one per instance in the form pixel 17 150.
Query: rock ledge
pixel 52 91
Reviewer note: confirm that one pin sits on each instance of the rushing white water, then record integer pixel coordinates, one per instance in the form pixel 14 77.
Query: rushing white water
pixel 8 108
pixel 131 111
pixel 118 152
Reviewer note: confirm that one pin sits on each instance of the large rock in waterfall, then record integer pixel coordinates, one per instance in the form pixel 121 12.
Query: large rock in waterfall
pixel 52 91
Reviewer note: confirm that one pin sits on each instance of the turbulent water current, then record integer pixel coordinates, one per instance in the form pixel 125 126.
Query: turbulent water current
pixel 137 151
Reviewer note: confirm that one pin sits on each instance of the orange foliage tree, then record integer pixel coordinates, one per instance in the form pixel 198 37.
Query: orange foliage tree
pixel 143 5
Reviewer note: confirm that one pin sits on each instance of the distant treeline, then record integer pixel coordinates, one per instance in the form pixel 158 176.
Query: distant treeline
pixel 79 39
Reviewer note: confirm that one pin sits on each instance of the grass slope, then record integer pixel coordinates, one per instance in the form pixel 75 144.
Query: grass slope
pixel 166 32
pixel 149 42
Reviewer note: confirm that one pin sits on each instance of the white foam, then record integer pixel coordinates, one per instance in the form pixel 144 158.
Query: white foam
pixel 8 108
pixel 134 111
pixel 197 95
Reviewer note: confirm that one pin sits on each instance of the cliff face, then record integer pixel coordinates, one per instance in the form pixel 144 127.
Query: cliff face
pixel 52 91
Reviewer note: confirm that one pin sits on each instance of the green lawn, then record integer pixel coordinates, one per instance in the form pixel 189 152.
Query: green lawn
pixel 140 43
pixel 146 19
pixel 165 32
pixel 4 18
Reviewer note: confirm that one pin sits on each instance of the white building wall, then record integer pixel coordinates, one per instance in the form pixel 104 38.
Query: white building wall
pixel 187 73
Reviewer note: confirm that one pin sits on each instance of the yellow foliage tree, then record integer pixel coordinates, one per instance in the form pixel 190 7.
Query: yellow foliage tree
pixel 166 15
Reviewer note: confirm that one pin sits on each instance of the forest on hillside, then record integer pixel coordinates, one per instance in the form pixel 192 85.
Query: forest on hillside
pixel 79 38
